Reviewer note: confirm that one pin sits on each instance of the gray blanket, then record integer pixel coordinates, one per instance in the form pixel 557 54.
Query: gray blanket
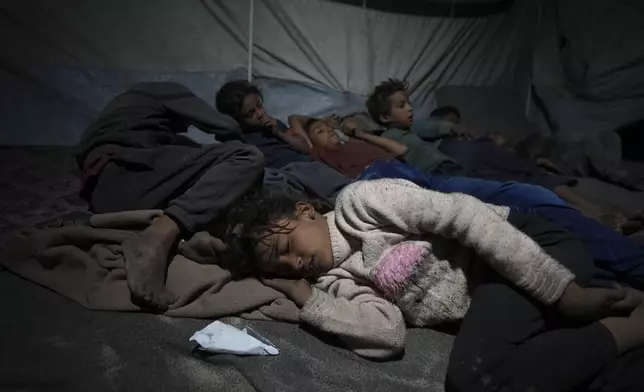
pixel 50 343
pixel 85 264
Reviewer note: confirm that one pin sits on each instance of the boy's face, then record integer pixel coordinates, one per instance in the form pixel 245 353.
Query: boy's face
pixel 400 111
pixel 323 136
pixel 300 248
pixel 252 114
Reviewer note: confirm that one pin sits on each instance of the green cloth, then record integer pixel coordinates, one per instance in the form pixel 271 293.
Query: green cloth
pixel 421 154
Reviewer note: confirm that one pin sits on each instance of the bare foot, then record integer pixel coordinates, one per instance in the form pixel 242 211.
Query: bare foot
pixel 628 332
pixel 146 261
pixel 613 220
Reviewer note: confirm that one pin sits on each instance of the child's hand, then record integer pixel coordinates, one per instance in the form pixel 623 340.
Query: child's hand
pixel 333 121
pixel 298 291
pixel 585 304
pixel 349 128
pixel 462 133
pixel 202 248
pixel 269 124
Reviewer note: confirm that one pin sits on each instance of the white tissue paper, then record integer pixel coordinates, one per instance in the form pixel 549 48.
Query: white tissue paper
pixel 222 338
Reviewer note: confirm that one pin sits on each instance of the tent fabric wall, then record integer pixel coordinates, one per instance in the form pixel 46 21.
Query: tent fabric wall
pixel 350 48
pixel 588 65
pixel 331 52
pixel 344 47
pixel 324 46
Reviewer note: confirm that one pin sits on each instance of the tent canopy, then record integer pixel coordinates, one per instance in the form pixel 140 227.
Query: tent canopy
pixel 63 60
pixel 444 8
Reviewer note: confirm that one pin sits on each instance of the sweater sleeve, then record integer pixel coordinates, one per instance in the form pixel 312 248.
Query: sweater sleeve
pixel 368 324
pixel 374 205
pixel 182 102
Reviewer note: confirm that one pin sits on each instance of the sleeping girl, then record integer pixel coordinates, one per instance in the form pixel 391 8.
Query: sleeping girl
pixel 393 254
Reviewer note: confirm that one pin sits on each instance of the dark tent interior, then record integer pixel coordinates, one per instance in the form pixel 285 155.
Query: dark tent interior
pixel 567 72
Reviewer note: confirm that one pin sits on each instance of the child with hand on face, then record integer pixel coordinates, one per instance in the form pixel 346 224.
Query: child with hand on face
pixel 392 253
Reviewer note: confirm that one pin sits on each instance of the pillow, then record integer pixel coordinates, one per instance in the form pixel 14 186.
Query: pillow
pixel 283 98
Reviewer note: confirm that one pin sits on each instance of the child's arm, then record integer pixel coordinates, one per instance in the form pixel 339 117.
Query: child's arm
pixel 296 123
pixel 392 146
pixel 367 323
pixel 432 130
pixel 297 143
pixel 372 205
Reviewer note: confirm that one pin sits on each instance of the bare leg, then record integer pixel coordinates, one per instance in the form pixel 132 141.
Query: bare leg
pixel 590 210
pixel 628 332
pixel 146 262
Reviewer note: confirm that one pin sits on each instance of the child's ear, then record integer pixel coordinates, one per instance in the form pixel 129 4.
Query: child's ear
pixel 384 119
pixel 304 211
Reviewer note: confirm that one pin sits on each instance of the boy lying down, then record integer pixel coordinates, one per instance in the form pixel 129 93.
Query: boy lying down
pixel 392 253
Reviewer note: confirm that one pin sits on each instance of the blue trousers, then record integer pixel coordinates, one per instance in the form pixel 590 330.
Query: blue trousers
pixel 311 178
pixel 616 257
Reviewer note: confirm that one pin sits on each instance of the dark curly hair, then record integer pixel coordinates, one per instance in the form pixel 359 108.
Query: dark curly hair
pixel 256 216
pixel 378 102
pixel 231 95
pixel 444 111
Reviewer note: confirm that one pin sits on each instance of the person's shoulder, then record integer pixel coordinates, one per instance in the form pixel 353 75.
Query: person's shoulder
pixel 361 190
pixel 391 132
pixel 408 138
pixel 424 123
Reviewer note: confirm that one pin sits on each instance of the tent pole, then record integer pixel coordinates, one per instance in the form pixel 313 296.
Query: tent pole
pixel 251 22
pixel 528 101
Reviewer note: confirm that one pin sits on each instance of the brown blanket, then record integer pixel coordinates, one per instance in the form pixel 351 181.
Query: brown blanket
pixel 85 264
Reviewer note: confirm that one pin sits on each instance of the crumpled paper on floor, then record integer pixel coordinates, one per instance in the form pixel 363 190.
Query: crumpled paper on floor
pixel 222 338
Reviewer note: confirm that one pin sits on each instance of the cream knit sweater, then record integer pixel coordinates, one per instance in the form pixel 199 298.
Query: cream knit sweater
pixel 404 253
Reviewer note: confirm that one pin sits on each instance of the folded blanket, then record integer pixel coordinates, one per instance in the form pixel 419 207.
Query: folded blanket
pixel 85 264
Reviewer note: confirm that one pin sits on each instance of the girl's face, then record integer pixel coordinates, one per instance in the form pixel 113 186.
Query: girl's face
pixel 297 248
